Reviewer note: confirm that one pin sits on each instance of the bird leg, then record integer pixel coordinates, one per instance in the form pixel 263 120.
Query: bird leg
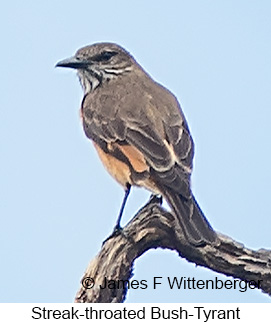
pixel 117 228
pixel 127 192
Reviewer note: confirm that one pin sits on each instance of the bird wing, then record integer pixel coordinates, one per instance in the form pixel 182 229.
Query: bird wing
pixel 152 124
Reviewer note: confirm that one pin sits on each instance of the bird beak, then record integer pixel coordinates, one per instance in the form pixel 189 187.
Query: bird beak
pixel 73 62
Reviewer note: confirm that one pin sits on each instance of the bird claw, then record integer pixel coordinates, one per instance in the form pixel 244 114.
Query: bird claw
pixel 116 232
pixel 156 199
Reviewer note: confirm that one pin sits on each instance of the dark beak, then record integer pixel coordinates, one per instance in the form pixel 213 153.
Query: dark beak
pixel 73 62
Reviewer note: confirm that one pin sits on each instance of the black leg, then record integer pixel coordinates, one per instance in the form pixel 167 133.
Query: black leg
pixel 127 192
pixel 117 229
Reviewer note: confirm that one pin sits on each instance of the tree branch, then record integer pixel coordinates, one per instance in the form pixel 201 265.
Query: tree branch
pixel 153 227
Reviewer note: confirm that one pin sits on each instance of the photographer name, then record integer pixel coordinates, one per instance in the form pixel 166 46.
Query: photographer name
pixel 183 283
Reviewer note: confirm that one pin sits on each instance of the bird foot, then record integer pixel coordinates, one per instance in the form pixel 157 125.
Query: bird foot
pixel 116 232
pixel 155 199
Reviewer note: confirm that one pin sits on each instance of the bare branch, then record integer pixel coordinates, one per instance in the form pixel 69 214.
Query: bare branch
pixel 153 227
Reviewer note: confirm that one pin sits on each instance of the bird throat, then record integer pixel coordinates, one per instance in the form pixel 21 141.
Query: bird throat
pixel 89 80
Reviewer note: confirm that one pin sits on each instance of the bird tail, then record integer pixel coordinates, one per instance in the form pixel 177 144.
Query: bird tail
pixel 193 223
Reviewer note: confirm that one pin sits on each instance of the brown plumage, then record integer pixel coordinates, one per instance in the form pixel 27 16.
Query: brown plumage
pixel 139 131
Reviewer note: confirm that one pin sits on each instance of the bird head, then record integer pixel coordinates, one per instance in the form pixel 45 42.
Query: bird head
pixel 98 63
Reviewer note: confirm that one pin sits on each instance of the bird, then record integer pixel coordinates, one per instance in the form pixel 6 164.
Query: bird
pixel 140 133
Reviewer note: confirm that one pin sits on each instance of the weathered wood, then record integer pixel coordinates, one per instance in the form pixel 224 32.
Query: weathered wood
pixel 153 227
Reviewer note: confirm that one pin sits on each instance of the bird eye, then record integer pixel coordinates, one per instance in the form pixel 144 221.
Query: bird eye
pixel 104 56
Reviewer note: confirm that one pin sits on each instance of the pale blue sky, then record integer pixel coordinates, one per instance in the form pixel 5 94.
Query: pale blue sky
pixel 57 202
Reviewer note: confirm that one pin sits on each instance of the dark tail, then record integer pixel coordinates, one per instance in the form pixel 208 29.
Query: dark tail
pixel 193 223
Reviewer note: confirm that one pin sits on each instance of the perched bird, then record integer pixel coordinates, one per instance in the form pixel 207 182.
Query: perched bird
pixel 140 132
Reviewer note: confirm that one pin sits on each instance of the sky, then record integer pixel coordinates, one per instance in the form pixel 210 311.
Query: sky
pixel 57 203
